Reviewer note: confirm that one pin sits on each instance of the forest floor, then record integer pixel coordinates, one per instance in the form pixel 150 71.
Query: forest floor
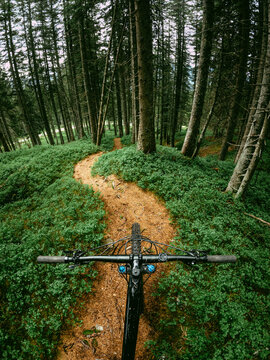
pixel 213 147
pixel 104 309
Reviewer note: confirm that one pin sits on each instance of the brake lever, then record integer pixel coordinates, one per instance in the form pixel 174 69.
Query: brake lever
pixel 199 255
pixel 75 254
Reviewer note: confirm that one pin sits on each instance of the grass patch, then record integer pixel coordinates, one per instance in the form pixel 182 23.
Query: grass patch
pixel 213 311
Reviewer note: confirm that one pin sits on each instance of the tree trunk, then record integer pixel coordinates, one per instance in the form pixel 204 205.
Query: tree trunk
pixel 113 74
pixel 4 138
pixel 3 141
pixel 146 137
pixel 179 75
pixel 39 94
pixel 249 157
pixel 113 113
pixel 255 158
pixel 258 80
pixel 75 101
pixel 241 76
pixel 162 90
pixel 35 140
pixel 118 103
pixel 62 97
pixel 132 33
pixel 48 76
pixel 211 111
pixel 201 81
pixel 105 75
pixel 123 96
pixel 51 95
pixel 87 85
pixel 6 131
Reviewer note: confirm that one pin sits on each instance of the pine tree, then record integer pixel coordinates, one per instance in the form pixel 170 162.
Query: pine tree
pixel 190 141
pixel 251 152
pixel 146 136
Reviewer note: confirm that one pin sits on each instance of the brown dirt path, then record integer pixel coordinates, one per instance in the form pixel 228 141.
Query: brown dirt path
pixel 125 203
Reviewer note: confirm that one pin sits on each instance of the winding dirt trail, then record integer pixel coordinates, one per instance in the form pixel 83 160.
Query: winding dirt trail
pixel 125 203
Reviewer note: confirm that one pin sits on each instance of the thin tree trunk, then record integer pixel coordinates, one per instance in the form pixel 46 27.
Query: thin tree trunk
pixel 62 97
pixel 7 131
pixel 132 32
pixel 35 140
pixel 105 74
pixel 87 85
pixel 48 77
pixel 179 77
pixel 211 111
pixel 75 102
pixel 3 141
pixel 39 94
pixel 164 92
pixel 241 76
pixel 51 95
pixel 255 158
pixel 118 103
pixel 124 100
pixel 201 81
pixel 113 114
pixel 4 138
pixel 111 85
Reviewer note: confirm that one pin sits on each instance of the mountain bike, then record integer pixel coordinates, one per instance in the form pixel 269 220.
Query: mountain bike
pixel 135 255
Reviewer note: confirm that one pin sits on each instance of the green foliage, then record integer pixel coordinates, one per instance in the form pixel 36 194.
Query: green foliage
pixel 44 211
pixel 126 140
pixel 107 141
pixel 212 311
pixel 260 180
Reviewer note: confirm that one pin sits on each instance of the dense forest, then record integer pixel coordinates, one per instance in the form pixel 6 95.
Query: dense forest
pixel 185 84
pixel 76 68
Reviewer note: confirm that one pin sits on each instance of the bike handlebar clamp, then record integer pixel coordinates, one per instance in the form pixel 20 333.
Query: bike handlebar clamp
pixel 163 257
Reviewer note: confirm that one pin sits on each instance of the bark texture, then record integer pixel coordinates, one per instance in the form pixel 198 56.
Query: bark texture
pixel 146 137
pixel 201 80
pixel 241 77
pixel 250 155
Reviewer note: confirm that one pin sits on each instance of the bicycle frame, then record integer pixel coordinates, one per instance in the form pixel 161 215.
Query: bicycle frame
pixel 134 309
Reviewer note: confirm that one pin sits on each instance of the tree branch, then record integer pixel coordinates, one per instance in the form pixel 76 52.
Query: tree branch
pixel 261 220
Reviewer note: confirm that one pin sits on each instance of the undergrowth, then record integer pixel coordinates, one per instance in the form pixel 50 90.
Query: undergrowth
pixel 210 311
pixel 44 211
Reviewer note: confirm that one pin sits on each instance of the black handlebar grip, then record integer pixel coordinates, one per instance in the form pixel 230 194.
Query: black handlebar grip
pixel 221 258
pixel 50 259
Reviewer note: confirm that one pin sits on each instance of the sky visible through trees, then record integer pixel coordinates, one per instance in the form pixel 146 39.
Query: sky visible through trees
pixel 185 84
pixel 71 68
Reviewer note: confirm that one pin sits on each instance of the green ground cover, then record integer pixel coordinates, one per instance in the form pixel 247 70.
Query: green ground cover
pixel 43 211
pixel 210 311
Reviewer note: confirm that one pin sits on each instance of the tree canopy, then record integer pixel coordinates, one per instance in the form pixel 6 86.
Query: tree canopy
pixel 72 68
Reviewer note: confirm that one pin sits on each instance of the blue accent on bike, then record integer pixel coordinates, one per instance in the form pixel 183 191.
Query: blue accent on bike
pixel 122 269
pixel 151 268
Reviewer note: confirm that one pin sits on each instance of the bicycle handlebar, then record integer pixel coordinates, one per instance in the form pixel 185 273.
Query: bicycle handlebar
pixel 221 258
pixel 51 259
pixel 163 257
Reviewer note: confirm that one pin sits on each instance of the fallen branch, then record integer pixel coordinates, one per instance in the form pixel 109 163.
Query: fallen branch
pixel 261 220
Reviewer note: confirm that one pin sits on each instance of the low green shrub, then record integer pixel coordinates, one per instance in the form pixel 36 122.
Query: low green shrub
pixel 126 140
pixel 210 311
pixel 44 211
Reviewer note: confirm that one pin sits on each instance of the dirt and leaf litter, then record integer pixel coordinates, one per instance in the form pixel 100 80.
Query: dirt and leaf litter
pixel 102 317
